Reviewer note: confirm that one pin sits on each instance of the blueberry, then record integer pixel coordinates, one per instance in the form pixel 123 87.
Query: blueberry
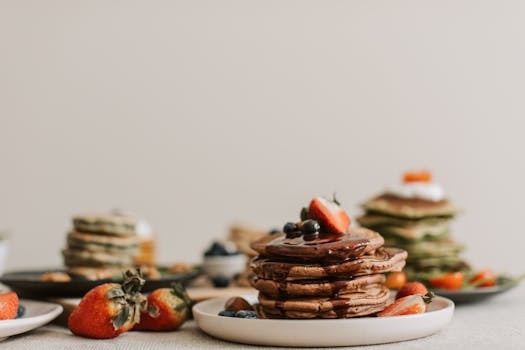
pixel 311 236
pixel 245 314
pixel 289 227
pixel 304 214
pixel 294 234
pixel 221 282
pixel 310 226
pixel 216 249
pixel 21 311
pixel 227 313
pixel 275 231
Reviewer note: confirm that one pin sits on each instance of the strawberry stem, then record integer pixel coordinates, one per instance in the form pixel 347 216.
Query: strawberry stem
pixel 133 282
pixel 131 301
pixel 334 199
pixel 427 298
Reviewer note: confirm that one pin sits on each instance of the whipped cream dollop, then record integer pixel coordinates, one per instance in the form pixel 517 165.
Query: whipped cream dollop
pixel 143 229
pixel 424 190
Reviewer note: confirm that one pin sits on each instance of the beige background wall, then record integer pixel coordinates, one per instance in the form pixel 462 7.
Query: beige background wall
pixel 196 114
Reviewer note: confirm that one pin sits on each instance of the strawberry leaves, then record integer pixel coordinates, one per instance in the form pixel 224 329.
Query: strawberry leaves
pixel 121 318
pixel 179 291
pixel 128 296
pixel 427 298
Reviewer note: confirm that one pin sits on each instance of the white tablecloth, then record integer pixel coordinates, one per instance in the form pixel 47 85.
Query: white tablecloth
pixel 497 323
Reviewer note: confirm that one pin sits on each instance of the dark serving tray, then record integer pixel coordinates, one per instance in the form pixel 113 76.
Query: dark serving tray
pixel 28 283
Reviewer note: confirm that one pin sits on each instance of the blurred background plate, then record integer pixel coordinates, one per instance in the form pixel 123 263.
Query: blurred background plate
pixel 28 283
pixel 473 295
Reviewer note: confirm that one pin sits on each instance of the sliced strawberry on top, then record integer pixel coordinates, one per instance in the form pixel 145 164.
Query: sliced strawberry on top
pixel 417 176
pixel 329 214
pixel 409 305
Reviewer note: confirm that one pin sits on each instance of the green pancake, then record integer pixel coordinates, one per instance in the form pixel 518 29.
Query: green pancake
pixel 75 257
pixel 406 229
pixel 425 275
pixel 415 234
pixel 410 208
pixel 105 224
pixel 97 273
pixel 426 249
pixel 379 220
pixel 430 263
pixel 103 243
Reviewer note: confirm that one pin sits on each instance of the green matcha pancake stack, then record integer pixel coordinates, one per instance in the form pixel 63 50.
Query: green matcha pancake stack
pixel 416 216
pixel 100 246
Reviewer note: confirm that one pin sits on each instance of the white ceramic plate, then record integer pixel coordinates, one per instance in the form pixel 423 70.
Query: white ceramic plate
pixel 310 333
pixel 37 314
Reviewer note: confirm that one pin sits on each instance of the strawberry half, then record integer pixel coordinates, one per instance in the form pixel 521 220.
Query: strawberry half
pixel 412 288
pixel 409 305
pixel 450 281
pixel 417 176
pixel 484 278
pixel 329 214
pixel 8 305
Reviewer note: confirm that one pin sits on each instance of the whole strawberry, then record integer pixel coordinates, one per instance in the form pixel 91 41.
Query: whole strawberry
pixel 8 305
pixel 109 309
pixel 170 307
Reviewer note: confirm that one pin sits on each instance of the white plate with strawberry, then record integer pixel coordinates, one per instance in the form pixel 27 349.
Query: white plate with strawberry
pixel 322 332
pixel 36 314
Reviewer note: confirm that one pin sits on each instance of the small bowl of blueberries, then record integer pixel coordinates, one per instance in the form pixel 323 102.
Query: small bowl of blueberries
pixel 223 263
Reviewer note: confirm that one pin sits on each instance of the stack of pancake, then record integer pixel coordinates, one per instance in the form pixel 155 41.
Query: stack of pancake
pixel 332 276
pixel 418 224
pixel 100 246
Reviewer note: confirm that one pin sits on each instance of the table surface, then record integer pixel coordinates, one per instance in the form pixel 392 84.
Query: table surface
pixel 497 323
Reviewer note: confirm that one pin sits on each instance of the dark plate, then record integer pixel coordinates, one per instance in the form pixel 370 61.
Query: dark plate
pixel 28 283
pixel 472 295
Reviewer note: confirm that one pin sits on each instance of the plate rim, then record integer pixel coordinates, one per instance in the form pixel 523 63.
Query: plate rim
pixel 206 318
pixel 482 290
pixel 449 304
pixel 33 322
